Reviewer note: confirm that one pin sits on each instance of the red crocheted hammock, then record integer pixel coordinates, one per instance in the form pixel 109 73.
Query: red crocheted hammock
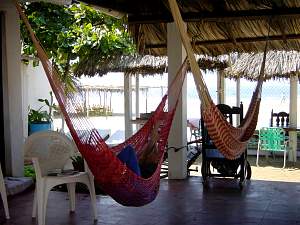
pixel 118 181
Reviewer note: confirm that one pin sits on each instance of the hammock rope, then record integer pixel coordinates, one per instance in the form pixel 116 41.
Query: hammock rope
pixel 118 181
pixel 230 141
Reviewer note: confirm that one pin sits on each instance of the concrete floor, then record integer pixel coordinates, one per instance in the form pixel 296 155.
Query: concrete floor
pixel 179 202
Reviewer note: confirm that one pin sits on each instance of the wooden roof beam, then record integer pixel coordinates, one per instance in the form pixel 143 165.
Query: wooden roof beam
pixel 225 16
pixel 280 24
pixel 231 35
pixel 238 40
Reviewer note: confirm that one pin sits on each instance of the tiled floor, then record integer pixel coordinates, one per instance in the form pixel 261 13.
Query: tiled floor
pixel 178 202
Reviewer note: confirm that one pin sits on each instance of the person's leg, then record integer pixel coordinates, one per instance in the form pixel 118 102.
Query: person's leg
pixel 128 156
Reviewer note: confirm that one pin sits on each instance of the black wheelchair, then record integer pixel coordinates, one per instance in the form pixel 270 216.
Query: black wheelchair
pixel 214 164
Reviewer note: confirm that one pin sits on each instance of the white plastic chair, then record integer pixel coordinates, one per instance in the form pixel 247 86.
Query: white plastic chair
pixel 194 130
pixel 50 150
pixel 3 194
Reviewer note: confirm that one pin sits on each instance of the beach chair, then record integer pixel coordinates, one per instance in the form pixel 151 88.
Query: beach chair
pixel 272 139
pixel 280 119
pixel 195 132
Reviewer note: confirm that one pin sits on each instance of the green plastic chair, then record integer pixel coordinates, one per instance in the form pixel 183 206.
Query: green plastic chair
pixel 272 139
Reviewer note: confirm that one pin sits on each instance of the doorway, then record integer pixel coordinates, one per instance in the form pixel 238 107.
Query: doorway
pixel 2 144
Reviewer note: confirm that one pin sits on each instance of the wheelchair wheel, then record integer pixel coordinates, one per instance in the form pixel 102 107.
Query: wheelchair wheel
pixel 246 175
pixel 248 171
pixel 204 172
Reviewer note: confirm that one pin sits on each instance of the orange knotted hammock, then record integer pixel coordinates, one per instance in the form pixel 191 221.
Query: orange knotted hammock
pixel 229 140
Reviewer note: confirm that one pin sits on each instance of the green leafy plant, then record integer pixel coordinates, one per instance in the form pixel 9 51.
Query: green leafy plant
pixel 78 163
pixel 74 35
pixel 40 115
pixel 29 171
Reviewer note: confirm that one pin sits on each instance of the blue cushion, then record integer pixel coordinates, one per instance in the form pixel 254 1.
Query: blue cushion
pixel 214 153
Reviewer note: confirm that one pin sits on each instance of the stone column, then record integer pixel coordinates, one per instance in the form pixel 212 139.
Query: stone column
pixel 178 135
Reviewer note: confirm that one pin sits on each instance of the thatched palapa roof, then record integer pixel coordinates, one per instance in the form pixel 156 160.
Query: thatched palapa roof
pixel 143 65
pixel 279 64
pixel 216 27
pixel 134 64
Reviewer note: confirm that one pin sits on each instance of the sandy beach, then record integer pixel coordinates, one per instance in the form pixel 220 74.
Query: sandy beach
pixel 269 169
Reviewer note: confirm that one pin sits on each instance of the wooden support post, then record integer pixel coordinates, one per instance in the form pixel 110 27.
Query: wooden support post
pixel 238 98
pixel 293 119
pixel 87 102
pixel 127 105
pixel 137 96
pixel 220 87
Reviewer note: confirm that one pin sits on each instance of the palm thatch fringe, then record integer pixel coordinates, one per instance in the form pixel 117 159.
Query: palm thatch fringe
pixel 111 89
pixel 279 64
pixel 143 65
pixel 133 64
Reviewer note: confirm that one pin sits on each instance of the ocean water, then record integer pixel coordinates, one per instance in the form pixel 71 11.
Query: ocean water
pixel 275 95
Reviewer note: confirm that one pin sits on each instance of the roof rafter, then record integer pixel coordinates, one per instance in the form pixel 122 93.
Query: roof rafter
pixel 225 16
pixel 238 40
pixel 228 28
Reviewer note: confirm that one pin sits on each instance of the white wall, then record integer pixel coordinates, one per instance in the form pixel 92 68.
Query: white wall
pixel 36 85
pixel 12 91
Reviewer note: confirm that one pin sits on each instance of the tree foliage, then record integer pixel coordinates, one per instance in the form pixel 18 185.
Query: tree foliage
pixel 74 34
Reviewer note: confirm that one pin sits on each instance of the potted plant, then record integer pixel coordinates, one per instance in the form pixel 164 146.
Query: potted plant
pixel 78 163
pixel 41 119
